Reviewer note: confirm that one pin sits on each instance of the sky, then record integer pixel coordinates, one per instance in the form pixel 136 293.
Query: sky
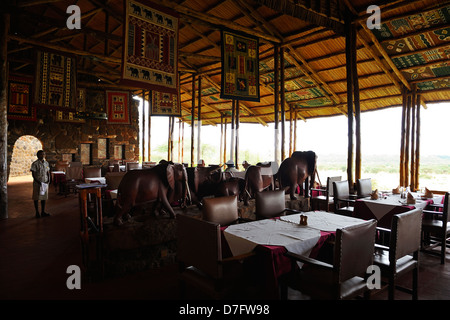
pixel 380 133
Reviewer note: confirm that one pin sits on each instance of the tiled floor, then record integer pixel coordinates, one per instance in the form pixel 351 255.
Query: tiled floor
pixel 35 254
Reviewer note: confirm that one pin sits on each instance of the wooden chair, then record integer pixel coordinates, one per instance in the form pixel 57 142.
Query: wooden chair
pixel 132 166
pixel 363 188
pixel 325 199
pixel 221 210
pixel 92 172
pixel 343 201
pixel 436 230
pixel 346 277
pixel 271 204
pixel 61 165
pixel 202 265
pixel 74 176
pixel 401 256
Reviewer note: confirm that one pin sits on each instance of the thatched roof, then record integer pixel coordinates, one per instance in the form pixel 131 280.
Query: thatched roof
pixel 411 50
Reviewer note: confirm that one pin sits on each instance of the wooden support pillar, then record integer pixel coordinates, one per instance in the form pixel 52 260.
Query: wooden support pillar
pixel 233 138
pixel 221 139
pixel 282 101
pixel 224 159
pixel 236 161
pixel 4 26
pixel 192 120
pixel 413 142
pixel 402 137
pixel 295 130
pixel 182 143
pixel 276 102
pixel 417 154
pixel 144 120
pixel 199 118
pixel 407 138
pixel 349 60
pixel 356 104
pixel 179 141
pixel 149 147
pixel 290 131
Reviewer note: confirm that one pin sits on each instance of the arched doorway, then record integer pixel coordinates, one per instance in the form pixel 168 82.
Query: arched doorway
pixel 24 153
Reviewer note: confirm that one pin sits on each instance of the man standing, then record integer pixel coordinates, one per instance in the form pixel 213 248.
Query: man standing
pixel 41 179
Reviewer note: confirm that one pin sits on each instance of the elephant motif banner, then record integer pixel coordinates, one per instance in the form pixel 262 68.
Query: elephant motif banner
pixel 150 54
pixel 240 67
pixel 165 104
pixel 117 106
pixel 55 81
pixel 19 94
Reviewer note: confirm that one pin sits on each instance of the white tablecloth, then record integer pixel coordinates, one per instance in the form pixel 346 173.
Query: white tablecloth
pixel 101 180
pixel 286 231
pixel 386 204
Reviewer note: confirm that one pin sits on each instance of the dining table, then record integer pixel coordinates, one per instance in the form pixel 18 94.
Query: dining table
pixel 58 177
pixel 389 204
pixel 271 238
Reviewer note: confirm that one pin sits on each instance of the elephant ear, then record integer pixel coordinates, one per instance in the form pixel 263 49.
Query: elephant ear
pixel 170 176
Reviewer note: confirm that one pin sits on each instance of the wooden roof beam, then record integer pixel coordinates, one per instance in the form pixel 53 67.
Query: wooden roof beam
pixel 211 19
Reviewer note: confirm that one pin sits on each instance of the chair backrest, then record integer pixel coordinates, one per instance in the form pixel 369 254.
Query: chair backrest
pixel 132 166
pixel 199 245
pixel 363 187
pixel 74 173
pixel 270 203
pixel 92 172
pixel 330 180
pixel 61 165
pixel 75 164
pixel 446 213
pixel 405 234
pixel 113 179
pixel 341 190
pixel 221 210
pixel 354 249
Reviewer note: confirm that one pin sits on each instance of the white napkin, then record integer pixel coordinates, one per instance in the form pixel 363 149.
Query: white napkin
pixel 43 188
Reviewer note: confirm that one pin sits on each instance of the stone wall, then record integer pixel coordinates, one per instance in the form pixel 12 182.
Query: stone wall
pixel 58 138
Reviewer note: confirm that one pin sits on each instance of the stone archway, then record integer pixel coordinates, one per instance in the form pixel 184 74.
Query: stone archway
pixel 24 153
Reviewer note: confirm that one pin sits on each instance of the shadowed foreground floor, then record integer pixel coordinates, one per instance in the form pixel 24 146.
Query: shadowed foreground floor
pixel 35 254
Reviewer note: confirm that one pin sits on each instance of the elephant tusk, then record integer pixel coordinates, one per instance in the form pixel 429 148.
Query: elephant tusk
pixel 188 191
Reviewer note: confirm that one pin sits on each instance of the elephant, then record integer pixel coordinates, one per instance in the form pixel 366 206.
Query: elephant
pixel 203 181
pixel 295 170
pixel 257 179
pixel 166 182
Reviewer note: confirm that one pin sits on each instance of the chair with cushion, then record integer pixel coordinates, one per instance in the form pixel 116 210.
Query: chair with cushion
pixel 325 198
pixel 92 172
pixel 74 176
pixel 221 210
pixel 343 201
pixel 201 264
pixel 363 188
pixel 436 230
pixel 401 256
pixel 132 166
pixel 61 165
pixel 346 277
pixel 271 204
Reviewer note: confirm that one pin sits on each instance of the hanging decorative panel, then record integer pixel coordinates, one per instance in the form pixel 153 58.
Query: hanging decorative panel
pixel 19 94
pixel 55 81
pixel 240 67
pixel 150 57
pixel 117 106
pixel 165 104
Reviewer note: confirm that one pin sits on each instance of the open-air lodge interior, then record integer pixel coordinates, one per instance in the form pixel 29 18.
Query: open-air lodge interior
pixel 75 77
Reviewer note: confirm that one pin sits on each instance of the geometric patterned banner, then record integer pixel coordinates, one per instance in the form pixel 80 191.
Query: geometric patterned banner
pixel 150 50
pixel 117 104
pixel 55 81
pixel 240 67
pixel 19 94
pixel 165 104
